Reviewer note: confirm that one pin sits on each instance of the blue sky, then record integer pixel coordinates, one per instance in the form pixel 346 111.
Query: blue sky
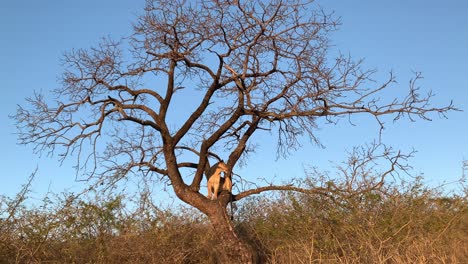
pixel 402 36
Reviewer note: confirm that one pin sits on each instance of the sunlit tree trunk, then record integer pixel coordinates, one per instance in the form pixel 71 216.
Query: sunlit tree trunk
pixel 231 248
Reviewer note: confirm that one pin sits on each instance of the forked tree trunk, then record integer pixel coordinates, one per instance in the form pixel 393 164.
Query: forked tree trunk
pixel 231 248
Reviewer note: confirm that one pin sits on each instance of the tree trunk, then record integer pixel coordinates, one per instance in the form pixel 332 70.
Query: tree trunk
pixel 230 249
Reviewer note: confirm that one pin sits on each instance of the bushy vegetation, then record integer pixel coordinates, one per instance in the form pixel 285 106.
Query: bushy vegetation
pixel 414 226
pixel 404 224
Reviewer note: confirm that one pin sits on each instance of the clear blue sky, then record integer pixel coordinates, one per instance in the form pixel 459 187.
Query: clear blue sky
pixel 404 36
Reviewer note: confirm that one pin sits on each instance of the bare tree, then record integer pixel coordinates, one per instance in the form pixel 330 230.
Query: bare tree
pixel 250 67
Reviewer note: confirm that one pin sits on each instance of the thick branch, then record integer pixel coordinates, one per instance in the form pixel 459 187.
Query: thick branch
pixel 319 190
pixel 207 143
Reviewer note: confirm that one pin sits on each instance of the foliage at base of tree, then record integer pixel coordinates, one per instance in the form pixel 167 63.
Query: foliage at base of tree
pixel 407 224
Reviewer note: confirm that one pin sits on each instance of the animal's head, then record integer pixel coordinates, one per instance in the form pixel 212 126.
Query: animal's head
pixel 218 167
pixel 223 167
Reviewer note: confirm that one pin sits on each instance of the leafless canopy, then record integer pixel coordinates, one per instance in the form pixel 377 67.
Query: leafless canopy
pixel 201 77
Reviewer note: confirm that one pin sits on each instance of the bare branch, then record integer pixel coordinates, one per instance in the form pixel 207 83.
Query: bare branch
pixel 246 67
pixel 321 191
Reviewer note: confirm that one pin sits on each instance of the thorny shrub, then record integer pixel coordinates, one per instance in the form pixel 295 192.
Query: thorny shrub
pixel 408 223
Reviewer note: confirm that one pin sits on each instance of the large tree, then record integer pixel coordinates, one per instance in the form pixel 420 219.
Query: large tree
pixel 198 79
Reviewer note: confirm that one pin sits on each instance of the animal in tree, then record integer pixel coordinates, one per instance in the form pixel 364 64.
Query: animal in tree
pixel 216 182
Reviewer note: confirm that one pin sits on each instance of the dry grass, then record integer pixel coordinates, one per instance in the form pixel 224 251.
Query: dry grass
pixel 411 227
pixel 407 225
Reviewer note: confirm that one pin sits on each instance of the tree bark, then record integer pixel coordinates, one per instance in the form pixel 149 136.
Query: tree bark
pixel 231 249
